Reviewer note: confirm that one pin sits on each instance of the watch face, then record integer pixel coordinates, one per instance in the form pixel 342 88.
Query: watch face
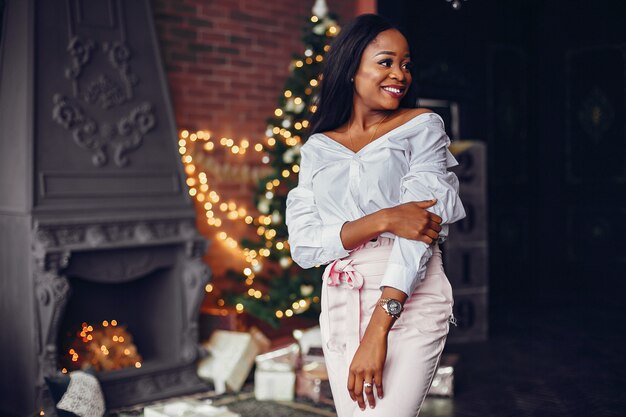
pixel 394 307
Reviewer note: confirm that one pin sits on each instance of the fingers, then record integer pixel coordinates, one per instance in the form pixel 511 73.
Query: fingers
pixel 378 382
pixel 358 386
pixel 351 381
pixel 368 389
pixel 427 203
pixel 355 389
pixel 435 226
pixel 429 232
pixel 429 236
pixel 435 218
pixel 358 393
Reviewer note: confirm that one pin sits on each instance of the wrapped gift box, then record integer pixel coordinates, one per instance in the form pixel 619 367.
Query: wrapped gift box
pixel 230 359
pixel 312 380
pixel 285 358
pixel 443 382
pixel 275 375
pixel 308 338
pixel 262 342
pixel 187 408
pixel 274 385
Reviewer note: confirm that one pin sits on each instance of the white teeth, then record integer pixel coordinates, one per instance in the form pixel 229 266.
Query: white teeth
pixel 393 90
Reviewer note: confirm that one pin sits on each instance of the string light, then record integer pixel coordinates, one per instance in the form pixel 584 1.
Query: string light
pixel 105 347
pixel 217 210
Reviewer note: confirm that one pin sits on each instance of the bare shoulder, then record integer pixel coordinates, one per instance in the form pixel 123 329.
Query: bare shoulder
pixel 404 115
pixel 411 113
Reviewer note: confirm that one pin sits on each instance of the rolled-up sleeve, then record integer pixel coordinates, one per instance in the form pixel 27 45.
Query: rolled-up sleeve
pixel 311 241
pixel 428 178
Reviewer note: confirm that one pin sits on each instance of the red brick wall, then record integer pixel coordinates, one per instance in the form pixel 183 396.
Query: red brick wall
pixel 227 61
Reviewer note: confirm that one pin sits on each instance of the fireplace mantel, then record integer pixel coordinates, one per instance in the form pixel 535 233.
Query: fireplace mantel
pixel 92 193
pixel 111 249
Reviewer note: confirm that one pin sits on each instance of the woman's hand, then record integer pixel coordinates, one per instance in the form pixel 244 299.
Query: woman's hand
pixel 412 221
pixel 367 367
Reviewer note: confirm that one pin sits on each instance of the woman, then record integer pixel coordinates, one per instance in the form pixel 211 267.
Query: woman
pixel 373 199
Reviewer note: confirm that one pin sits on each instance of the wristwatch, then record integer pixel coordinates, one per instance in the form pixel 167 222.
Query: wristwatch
pixel 391 306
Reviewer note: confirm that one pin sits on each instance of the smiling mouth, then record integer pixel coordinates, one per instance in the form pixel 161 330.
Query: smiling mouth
pixel 394 90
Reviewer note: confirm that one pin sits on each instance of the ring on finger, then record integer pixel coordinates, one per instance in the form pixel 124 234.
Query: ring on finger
pixel 367 385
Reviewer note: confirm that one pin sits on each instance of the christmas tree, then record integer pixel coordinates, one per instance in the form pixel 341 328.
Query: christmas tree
pixel 274 288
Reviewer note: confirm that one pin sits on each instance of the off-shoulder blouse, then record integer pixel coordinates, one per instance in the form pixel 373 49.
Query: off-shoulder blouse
pixel 337 185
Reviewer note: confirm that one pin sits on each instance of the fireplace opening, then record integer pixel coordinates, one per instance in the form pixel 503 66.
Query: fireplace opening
pixel 138 288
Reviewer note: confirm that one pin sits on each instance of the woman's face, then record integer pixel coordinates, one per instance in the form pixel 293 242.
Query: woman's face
pixel 384 75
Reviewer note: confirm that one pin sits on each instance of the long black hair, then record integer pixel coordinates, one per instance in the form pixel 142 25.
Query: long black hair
pixel 334 105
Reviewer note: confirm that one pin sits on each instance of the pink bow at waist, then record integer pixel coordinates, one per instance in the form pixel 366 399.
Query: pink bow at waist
pixel 369 260
pixel 342 271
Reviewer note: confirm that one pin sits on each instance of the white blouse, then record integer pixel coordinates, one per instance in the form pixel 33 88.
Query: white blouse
pixel 337 185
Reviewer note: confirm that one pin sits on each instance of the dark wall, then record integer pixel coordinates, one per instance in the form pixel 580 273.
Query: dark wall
pixel 543 84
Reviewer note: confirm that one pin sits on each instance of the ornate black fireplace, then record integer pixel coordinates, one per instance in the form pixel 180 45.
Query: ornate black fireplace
pixel 95 219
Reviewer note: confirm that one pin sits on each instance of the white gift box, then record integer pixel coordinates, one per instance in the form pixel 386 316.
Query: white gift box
pixel 187 408
pixel 308 338
pixel 274 385
pixel 282 359
pixel 443 381
pixel 230 360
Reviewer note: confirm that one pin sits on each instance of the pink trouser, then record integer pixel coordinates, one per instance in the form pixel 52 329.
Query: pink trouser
pixel 415 342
